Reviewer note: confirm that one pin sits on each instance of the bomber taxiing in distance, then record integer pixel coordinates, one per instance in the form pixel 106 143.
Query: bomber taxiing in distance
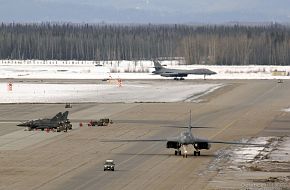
pixel 183 140
pixel 60 122
pixel 164 72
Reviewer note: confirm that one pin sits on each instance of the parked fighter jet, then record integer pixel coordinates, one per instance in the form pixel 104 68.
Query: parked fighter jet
pixel 164 72
pixel 58 122
pixel 183 140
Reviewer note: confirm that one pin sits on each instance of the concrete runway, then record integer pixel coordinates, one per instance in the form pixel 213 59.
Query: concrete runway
pixel 74 160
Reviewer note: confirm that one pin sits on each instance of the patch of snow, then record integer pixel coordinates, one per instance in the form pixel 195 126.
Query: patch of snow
pixel 196 96
pixel 282 153
pixel 102 92
pixel 141 69
pixel 243 154
pixel 247 153
pixel 277 150
pixel 286 110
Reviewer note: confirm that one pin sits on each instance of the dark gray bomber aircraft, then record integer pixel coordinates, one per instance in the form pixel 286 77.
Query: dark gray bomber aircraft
pixel 164 72
pixel 59 122
pixel 184 139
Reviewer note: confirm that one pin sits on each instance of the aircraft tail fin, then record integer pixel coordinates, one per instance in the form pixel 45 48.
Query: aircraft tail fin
pixel 64 115
pixel 189 127
pixel 57 116
pixel 157 65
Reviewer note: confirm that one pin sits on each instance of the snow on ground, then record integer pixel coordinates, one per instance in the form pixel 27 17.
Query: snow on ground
pixel 253 168
pixel 238 156
pixel 286 110
pixel 52 69
pixel 275 150
pixel 103 92
pixel 125 69
pixel 282 152
pixel 243 154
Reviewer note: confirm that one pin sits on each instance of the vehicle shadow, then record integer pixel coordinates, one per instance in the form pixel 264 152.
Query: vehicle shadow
pixel 166 155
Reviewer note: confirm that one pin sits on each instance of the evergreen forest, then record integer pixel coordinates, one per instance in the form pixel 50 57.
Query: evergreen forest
pixel 207 44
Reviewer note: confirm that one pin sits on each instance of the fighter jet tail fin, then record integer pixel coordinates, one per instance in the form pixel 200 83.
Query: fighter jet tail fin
pixel 57 116
pixel 64 115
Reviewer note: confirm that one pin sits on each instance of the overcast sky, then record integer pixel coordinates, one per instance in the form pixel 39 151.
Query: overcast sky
pixel 145 11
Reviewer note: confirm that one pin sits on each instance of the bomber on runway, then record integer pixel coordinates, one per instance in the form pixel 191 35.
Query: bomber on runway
pixel 183 140
pixel 164 72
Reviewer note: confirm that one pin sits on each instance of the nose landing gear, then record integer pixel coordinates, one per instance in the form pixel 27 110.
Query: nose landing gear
pixel 184 151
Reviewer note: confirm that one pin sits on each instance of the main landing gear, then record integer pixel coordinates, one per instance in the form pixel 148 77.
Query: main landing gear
pixel 181 78
pixel 196 153
pixel 177 152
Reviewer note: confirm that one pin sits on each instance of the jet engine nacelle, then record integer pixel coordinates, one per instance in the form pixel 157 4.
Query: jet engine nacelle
pixel 167 75
pixel 172 144
pixel 202 145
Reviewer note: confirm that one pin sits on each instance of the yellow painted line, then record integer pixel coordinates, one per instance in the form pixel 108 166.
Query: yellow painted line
pixel 231 123
pixel 226 127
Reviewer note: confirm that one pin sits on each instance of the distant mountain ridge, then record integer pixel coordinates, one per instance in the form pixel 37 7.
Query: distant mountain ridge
pixel 145 11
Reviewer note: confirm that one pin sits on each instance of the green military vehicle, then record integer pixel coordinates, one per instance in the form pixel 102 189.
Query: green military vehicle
pixel 100 122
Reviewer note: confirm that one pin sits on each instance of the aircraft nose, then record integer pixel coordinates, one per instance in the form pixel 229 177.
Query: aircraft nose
pixel 21 124
pixel 24 124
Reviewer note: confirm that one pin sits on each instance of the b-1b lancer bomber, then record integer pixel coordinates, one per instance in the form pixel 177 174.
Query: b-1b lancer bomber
pixel 183 140
pixel 164 72
pixel 59 122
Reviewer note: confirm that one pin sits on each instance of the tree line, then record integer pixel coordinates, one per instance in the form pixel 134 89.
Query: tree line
pixel 209 44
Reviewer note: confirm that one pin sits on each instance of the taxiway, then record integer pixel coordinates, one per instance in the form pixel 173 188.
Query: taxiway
pixel 74 160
